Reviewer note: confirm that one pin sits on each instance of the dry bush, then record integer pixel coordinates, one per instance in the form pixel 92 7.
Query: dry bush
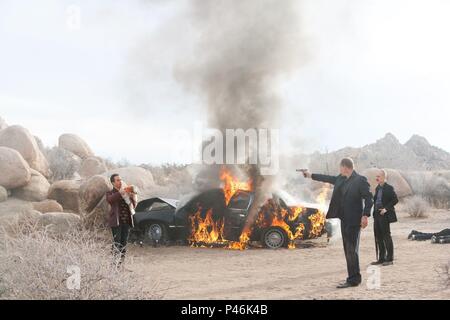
pixel 431 186
pixel 63 163
pixel 437 192
pixel 416 206
pixel 36 265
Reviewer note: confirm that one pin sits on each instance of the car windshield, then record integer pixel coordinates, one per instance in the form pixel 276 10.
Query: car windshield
pixel 156 206
pixel 240 200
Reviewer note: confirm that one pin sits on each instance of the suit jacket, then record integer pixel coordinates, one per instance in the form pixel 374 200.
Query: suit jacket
pixel 350 199
pixel 114 198
pixel 389 200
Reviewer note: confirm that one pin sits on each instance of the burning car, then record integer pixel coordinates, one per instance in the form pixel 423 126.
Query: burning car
pixel 219 218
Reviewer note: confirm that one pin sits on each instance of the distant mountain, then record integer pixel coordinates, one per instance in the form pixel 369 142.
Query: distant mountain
pixel 432 157
pixel 415 155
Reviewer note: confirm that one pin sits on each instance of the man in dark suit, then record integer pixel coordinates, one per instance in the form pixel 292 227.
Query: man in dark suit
pixel 120 218
pixel 385 200
pixel 350 189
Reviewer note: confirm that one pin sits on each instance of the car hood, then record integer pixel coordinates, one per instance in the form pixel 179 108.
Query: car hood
pixel 148 202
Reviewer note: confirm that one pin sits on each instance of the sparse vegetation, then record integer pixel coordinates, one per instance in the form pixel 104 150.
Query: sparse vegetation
pixel 416 206
pixel 437 192
pixel 63 164
pixel 35 265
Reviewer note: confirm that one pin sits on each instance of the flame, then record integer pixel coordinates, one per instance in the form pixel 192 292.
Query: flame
pixel 244 238
pixel 205 231
pixel 322 197
pixel 273 215
pixel 232 184
pixel 318 219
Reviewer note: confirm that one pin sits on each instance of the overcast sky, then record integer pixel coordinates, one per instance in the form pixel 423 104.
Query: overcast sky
pixel 373 67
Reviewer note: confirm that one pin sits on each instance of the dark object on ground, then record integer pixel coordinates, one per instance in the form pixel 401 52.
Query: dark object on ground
pixel 440 239
pixel 159 220
pixel 421 236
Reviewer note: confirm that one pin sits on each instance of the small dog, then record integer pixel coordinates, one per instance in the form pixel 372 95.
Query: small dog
pixel 131 193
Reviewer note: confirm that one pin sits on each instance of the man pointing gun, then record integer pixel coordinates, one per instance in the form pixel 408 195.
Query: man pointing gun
pixel 350 190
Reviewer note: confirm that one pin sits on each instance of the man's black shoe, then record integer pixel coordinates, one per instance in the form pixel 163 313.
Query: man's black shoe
pixel 413 232
pixel 347 285
pixel 388 263
pixel 377 262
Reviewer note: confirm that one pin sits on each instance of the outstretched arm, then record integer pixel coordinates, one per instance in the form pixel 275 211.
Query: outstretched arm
pixel 324 178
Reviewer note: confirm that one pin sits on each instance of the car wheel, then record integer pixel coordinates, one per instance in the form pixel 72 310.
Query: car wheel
pixel 156 233
pixel 274 238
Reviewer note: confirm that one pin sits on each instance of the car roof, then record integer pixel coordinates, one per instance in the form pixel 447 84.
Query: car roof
pixel 171 202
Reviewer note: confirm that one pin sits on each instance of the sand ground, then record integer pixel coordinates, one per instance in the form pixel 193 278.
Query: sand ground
pixel 311 271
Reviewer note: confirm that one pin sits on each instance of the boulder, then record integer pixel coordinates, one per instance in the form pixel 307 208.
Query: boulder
pixel 63 164
pixel 76 145
pixel 97 217
pixel 432 186
pixel 40 145
pixel 418 180
pixel 66 193
pixel 92 166
pixel 58 223
pixel 92 191
pixel 137 176
pixel 3 194
pixel 15 211
pixel 47 206
pixel 20 139
pixel 35 190
pixel 401 186
pixel 15 171
pixel 3 124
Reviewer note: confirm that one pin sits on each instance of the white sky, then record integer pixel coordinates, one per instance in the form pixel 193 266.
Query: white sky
pixel 374 67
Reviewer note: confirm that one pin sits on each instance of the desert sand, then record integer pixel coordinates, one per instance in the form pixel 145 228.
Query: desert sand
pixel 310 271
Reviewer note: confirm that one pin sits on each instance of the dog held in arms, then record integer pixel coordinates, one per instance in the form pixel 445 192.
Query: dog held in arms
pixel 131 193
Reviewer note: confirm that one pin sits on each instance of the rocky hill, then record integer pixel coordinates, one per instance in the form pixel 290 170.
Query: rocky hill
pixel 415 155
pixel 66 184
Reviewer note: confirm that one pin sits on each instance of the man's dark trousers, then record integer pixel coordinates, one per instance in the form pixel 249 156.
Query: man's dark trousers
pixel 120 237
pixel 350 239
pixel 383 238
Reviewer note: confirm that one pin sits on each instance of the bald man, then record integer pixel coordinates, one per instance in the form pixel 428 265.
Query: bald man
pixel 385 200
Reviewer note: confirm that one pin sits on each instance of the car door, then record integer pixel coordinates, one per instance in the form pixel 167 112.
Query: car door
pixel 236 214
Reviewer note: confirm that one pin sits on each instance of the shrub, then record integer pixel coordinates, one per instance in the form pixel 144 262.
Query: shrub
pixel 63 164
pixel 416 206
pixel 35 265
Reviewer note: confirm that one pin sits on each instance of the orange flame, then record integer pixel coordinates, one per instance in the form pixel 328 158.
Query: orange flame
pixel 232 184
pixel 317 224
pixel 207 232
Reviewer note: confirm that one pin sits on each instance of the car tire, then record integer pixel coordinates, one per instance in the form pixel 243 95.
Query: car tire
pixel 156 233
pixel 274 238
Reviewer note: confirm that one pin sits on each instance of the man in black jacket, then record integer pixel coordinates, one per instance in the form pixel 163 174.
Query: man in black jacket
pixel 350 189
pixel 385 200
